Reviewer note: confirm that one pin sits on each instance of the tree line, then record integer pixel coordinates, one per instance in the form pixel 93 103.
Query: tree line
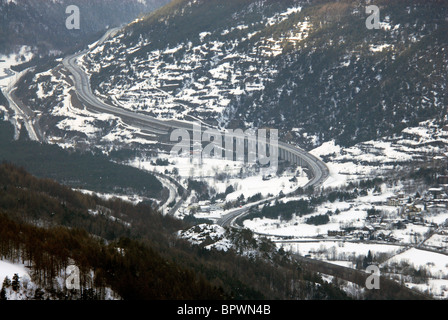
pixel 137 255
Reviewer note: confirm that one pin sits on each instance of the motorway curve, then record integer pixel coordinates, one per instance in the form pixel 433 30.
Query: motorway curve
pixel 319 170
pixel 22 112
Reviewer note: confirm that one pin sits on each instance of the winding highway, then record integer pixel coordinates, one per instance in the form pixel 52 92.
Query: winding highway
pixel 22 112
pixel 318 170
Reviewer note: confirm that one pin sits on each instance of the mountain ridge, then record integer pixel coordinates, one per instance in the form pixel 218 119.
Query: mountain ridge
pixel 332 67
pixel 42 24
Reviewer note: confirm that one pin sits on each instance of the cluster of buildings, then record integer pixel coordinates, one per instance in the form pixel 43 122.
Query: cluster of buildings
pixel 435 198
pixel 409 210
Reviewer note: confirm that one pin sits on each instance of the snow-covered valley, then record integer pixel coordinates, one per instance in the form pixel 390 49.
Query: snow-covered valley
pixel 385 201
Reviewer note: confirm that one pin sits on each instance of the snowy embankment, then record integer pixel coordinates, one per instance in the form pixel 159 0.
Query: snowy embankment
pixel 219 175
pixel 426 142
pixel 7 61
pixel 9 270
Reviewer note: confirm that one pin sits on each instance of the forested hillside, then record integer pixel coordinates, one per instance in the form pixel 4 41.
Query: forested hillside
pixel 83 170
pixel 41 24
pixel 132 250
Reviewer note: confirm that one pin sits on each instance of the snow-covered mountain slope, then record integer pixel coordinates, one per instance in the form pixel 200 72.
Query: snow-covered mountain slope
pixel 16 284
pixel 68 123
pixel 416 146
pixel 311 69
pixel 214 237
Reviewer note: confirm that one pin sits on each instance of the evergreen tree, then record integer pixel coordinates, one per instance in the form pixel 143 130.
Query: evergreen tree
pixel 38 294
pixel 367 260
pixel 3 294
pixel 15 282
pixel 6 282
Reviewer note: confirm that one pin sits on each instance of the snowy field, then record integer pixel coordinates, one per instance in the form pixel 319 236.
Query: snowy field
pixel 6 62
pixel 250 183
pixel 377 158
pixel 8 269
pixel 108 196
pixel 338 252
pixel 436 287
pixel 352 213
pixel 435 263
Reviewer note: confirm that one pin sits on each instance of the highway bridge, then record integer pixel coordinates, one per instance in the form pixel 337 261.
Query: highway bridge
pixel 317 170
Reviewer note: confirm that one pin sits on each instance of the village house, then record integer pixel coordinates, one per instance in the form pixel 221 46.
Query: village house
pixel 336 233
pixel 393 202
